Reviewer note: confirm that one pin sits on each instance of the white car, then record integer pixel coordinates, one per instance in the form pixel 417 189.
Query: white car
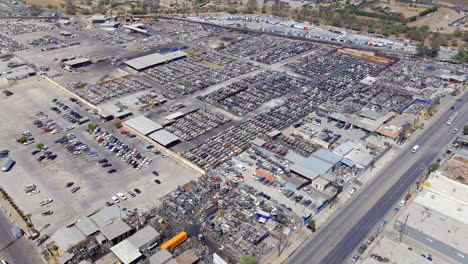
pixel 122 196
pixel 402 203
pixel 115 199
pixel 46 201
pixel 352 191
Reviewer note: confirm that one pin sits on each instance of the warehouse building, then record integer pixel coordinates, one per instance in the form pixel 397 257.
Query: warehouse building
pixel 148 61
pixel 143 125
pixel 318 164
pixel 438 218
pixel 117 231
pixel 164 138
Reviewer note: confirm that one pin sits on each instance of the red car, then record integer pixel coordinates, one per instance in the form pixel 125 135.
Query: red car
pixel 47 129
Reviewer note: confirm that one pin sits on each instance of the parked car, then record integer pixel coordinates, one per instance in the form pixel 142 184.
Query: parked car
pixel 35 152
pixel 358 182
pixel 137 190
pixel 111 171
pixel 155 173
pixel 46 201
pixel 106 165
pixel 132 194
pixel 352 191
pixel 122 196
pixel 362 248
pixel 115 199
pixel 69 184
pixel 157 181
pixel 370 240
pixel 48 212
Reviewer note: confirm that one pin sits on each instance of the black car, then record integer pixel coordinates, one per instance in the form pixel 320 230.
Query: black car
pixel 35 152
pixel 54 100
pixel 155 173
pixel 112 171
pixel 157 181
pixel 358 182
pixel 69 184
pixel 52 157
pixel 41 158
pixel 48 212
pixel 137 190
pixel 103 161
pixel 106 165
pixel 74 190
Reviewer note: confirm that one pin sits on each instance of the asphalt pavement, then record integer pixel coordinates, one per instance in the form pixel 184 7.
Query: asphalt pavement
pixel 15 251
pixel 337 240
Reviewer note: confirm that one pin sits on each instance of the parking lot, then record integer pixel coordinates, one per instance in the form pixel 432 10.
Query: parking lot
pixel 51 176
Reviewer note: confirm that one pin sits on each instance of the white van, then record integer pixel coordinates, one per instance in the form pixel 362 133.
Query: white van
pixel 415 148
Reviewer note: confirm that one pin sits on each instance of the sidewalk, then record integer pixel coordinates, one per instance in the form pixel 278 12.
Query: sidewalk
pixel 11 213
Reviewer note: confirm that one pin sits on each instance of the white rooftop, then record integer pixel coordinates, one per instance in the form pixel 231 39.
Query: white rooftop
pixel 154 59
pixel 126 252
pixel 143 125
pixel 445 196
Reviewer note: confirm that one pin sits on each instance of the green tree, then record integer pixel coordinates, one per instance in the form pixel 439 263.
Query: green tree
pixel 248 259
pixel 433 167
pixel 458 33
pixel 92 127
pixel 311 225
pixel 462 54
pixel 23 139
pixel 40 145
pixel 465 130
pixel 117 124
pixel 88 3
pixel 232 11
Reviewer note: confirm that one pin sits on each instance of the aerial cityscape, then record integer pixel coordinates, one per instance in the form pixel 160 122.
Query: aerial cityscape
pixel 225 132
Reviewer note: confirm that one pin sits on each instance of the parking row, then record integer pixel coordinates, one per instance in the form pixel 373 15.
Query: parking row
pixel 247 95
pixel 280 53
pixel 96 94
pixel 196 123
pixel 319 63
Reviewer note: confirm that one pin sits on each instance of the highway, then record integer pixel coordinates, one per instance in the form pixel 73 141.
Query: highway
pixel 16 251
pixel 336 241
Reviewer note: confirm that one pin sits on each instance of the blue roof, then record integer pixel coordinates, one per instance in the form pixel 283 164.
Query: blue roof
pixel 327 156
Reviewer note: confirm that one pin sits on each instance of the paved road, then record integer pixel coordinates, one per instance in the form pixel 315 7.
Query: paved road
pixel 15 251
pixel 335 242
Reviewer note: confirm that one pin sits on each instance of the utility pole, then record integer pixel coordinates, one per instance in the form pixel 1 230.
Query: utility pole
pixel 402 232
pixel 423 174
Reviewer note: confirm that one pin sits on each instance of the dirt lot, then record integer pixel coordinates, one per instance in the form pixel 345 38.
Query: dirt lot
pixel 439 19
pixel 457 169
pixel 452 2
pixel 44 3
pixel 403 8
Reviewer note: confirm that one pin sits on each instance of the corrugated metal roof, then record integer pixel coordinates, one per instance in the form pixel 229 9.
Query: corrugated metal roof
pixel 143 236
pixel 115 229
pixel 86 226
pixel 294 157
pixel 106 216
pixel 164 137
pixel 126 252
pixel 303 171
pixel 161 257
pixel 174 115
pixel 154 59
pixel 328 156
pixel 65 238
pixel 370 114
pixel 76 61
pixel 143 125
